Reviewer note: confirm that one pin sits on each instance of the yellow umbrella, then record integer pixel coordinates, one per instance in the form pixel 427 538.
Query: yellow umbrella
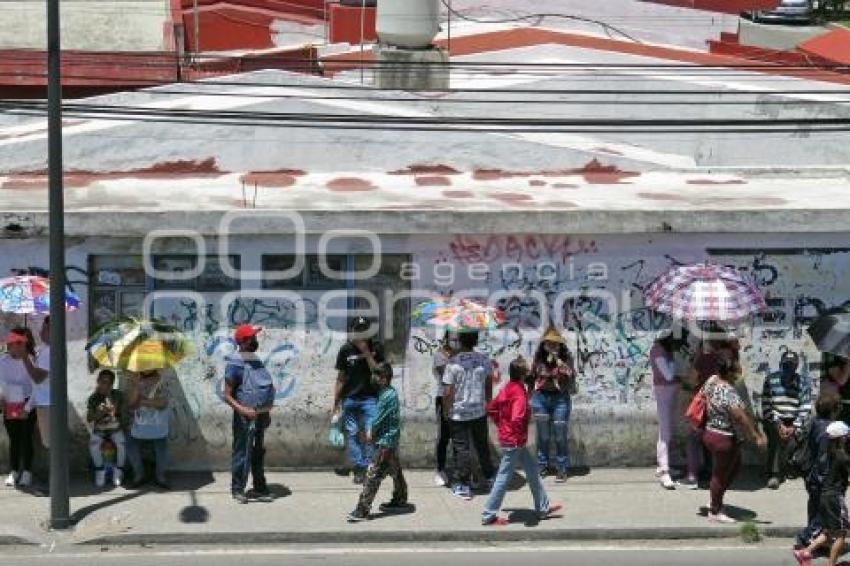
pixel 139 346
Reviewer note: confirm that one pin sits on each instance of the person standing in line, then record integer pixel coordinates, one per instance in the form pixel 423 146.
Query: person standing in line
pixel 355 397
pixel 554 379
pixel 833 505
pixel 147 400
pixel 468 380
pixel 827 410
pixel 447 349
pixel 249 391
pixel 786 404
pixel 510 411
pixel 725 413
pixel 105 415
pixel 384 433
pixel 39 371
pixel 18 419
pixel 666 386
pixel 836 380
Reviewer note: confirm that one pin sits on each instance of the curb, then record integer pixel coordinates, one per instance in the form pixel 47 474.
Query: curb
pixel 14 540
pixel 471 536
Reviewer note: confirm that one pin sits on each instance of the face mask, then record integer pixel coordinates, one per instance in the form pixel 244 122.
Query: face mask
pixel 789 368
pixel 252 346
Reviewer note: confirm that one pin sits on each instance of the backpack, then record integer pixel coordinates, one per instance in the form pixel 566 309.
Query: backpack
pixel 257 389
pixel 801 453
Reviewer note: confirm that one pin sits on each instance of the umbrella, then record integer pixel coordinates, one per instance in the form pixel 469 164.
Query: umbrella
pixel 704 292
pixel 831 333
pixel 463 315
pixel 139 345
pixel 30 294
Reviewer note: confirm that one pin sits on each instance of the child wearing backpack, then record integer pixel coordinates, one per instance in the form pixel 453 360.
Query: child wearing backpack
pixel 832 508
pixel 249 391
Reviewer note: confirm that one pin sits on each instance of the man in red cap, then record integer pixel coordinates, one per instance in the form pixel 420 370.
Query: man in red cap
pixel 249 391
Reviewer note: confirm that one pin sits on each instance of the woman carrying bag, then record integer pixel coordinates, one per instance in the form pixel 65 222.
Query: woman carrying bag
pixel 148 401
pixel 554 382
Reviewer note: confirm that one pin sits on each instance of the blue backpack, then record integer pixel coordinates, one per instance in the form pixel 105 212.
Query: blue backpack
pixel 257 389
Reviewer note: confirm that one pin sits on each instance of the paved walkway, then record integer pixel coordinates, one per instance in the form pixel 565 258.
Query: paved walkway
pixel 311 507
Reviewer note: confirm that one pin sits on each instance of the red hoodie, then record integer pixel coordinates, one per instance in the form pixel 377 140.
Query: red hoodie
pixel 509 410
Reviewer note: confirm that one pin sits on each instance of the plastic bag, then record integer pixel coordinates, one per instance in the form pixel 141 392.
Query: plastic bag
pixel 336 439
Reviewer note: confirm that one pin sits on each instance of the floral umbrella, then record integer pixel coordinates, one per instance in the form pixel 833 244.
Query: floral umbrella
pixel 463 315
pixel 30 294
pixel 704 292
pixel 139 345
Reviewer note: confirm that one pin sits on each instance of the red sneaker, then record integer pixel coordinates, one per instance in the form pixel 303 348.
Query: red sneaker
pixel 803 557
pixel 498 522
pixel 553 509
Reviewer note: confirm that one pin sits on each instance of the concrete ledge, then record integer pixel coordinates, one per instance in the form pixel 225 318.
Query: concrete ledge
pixel 25 224
pixel 471 536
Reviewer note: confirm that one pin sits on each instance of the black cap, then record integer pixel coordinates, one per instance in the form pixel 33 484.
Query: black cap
pixel 360 324
pixel 791 357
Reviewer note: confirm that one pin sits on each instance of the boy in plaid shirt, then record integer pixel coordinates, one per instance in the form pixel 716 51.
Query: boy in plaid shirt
pixel 384 434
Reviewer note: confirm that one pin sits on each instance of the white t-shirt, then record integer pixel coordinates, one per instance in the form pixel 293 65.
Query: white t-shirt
pixel 15 382
pixel 41 391
pixel 468 373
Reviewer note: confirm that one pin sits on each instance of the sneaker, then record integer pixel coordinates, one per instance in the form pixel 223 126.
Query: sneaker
pixel 12 479
pixel 462 492
pixel 99 478
pixel 803 556
pixel 553 509
pixel 117 477
pixel 667 482
pixel 26 479
pixel 690 484
pixel 393 506
pixel 359 477
pixel 440 480
pixel 544 472
pixel 773 483
pixel 263 496
pixel 239 497
pixel 356 517
pixel 720 518
pixel 561 477
pixel 495 521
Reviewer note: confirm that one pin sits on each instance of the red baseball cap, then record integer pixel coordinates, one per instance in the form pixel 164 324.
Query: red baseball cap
pixel 245 331
pixel 15 338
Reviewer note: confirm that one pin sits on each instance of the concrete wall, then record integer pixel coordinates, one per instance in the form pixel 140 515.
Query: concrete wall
pixel 614 418
pixel 116 25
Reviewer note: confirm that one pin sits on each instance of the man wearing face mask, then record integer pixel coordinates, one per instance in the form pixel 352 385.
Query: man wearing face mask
pixel 786 406
pixel 249 391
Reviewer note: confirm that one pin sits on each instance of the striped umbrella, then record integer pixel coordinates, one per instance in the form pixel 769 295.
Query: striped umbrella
pixel 30 294
pixel 704 292
pixel 139 345
pixel 831 333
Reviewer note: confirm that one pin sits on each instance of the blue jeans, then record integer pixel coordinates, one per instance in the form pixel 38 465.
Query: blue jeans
pixel 249 452
pixel 134 456
pixel 357 416
pixel 510 458
pixel 552 417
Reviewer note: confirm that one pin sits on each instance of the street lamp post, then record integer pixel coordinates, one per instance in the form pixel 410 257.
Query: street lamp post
pixel 60 512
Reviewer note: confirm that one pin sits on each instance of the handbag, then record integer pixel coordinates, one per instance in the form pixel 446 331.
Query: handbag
pixel 150 423
pixel 697 410
pixel 15 405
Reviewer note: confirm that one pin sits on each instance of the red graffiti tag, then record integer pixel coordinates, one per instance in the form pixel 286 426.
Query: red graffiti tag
pixel 518 248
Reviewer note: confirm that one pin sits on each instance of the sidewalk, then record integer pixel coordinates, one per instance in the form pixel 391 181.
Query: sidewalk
pixel 311 508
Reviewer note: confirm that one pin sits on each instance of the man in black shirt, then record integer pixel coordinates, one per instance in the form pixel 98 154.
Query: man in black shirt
pixel 354 395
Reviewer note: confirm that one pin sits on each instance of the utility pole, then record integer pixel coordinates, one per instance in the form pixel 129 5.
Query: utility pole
pixel 60 505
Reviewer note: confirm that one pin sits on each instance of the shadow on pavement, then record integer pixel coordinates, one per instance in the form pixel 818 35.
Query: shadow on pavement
pixel 409 510
pixel 194 513
pixel 279 491
pixel 84 512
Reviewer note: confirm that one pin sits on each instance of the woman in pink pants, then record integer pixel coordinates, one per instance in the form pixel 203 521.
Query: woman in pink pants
pixel 666 386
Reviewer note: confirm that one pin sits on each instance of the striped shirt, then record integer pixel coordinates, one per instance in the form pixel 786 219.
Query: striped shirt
pixel 786 398
pixel 386 427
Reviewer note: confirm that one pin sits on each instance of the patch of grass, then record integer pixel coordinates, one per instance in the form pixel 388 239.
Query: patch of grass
pixel 749 533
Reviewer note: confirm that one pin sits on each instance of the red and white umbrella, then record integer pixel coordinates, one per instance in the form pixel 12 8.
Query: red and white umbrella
pixel 704 292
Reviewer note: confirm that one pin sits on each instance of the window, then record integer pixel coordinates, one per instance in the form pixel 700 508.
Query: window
pixel 117 287
pixel 311 283
pixel 211 279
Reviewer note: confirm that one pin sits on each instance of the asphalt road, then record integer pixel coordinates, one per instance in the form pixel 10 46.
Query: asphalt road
pixel 773 553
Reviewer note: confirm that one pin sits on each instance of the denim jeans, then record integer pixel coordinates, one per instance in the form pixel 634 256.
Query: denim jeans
pixel 510 458
pixel 134 457
pixel 249 452
pixel 551 416
pixel 467 435
pixel 357 416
